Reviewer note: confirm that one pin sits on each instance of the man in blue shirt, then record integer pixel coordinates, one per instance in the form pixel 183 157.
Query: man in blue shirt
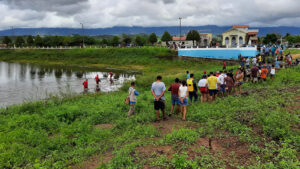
pixel 158 91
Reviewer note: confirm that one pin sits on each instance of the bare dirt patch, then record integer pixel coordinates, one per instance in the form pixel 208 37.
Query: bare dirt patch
pixel 165 127
pixel 296 56
pixel 104 126
pixel 150 150
pixel 229 148
pixel 95 161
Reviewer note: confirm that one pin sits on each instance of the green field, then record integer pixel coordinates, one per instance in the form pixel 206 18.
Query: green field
pixel 259 129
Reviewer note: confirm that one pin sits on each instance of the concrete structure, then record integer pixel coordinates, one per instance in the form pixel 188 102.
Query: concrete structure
pixel 218 53
pixel 205 39
pixel 3 45
pixel 179 42
pixel 240 36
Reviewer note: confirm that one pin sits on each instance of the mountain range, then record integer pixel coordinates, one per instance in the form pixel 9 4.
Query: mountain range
pixel 173 30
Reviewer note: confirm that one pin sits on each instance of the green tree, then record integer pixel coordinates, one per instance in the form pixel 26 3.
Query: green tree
pixel 39 41
pixel 126 39
pixel 153 38
pixel 270 38
pixel 105 42
pixel 193 35
pixel 166 37
pixel 139 41
pixel 6 40
pixel 30 40
pixel 20 41
pixel 115 41
pixel 67 41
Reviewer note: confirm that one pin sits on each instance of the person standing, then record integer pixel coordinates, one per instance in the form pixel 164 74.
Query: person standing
pixel 254 61
pixel 97 79
pixel 259 60
pixel 183 93
pixel 85 85
pixel 187 75
pixel 192 87
pixel 229 82
pixel 174 95
pixel 158 91
pixel 222 84
pixel 264 73
pixel 132 98
pixel 203 88
pixel 273 71
pixel 224 65
pixel 248 62
pixel 254 71
pixel 211 83
pixel 239 81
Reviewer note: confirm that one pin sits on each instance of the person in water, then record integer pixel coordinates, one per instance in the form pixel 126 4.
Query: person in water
pixel 97 79
pixel 85 85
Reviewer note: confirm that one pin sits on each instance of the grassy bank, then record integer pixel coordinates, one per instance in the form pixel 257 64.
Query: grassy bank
pixel 257 130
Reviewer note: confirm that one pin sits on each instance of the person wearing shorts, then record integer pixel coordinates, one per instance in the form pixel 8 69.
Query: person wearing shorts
pixel 211 83
pixel 174 95
pixel 203 89
pixel 239 81
pixel 183 94
pixel 158 91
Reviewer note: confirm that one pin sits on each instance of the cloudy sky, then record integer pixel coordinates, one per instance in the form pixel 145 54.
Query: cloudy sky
pixel 108 13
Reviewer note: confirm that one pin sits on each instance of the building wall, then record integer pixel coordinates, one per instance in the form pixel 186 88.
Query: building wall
pixel 187 43
pixel 218 53
pixel 205 36
pixel 234 33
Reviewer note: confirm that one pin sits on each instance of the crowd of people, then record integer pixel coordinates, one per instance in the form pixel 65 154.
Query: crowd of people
pixel 97 80
pixel 215 84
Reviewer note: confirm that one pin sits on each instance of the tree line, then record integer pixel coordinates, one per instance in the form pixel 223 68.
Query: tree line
pixel 124 40
pixel 78 40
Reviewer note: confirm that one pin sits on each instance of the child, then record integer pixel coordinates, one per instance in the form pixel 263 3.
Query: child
pixel 183 93
pixel 132 98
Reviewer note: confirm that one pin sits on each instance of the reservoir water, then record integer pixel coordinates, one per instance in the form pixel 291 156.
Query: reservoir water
pixel 23 82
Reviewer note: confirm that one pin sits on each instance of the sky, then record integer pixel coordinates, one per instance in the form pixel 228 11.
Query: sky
pixel 109 13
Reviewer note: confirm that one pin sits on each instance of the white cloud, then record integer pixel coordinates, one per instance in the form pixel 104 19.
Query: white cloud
pixel 108 13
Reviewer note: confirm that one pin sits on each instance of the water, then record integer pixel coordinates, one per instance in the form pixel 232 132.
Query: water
pixel 22 82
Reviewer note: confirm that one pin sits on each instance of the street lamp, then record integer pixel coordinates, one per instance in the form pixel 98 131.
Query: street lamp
pixel 82 35
pixel 180 30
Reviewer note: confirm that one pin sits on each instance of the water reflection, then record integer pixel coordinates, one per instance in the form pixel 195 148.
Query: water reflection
pixel 26 82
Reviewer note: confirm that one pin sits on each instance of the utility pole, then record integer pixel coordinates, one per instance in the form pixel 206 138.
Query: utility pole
pixel 82 35
pixel 12 35
pixel 180 30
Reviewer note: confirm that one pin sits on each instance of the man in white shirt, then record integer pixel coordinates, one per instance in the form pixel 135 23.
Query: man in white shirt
pixel 254 60
pixel 222 84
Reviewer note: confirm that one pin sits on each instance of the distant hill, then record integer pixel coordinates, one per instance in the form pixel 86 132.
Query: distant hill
pixel 174 30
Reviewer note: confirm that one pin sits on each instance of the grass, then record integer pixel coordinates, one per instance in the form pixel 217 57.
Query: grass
pixel 61 132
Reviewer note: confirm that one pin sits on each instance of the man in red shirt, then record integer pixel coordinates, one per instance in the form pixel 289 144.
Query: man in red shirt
pixel 97 79
pixel 224 65
pixel 111 74
pixel 174 95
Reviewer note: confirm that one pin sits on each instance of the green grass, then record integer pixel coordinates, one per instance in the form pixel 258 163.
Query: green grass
pixel 61 131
